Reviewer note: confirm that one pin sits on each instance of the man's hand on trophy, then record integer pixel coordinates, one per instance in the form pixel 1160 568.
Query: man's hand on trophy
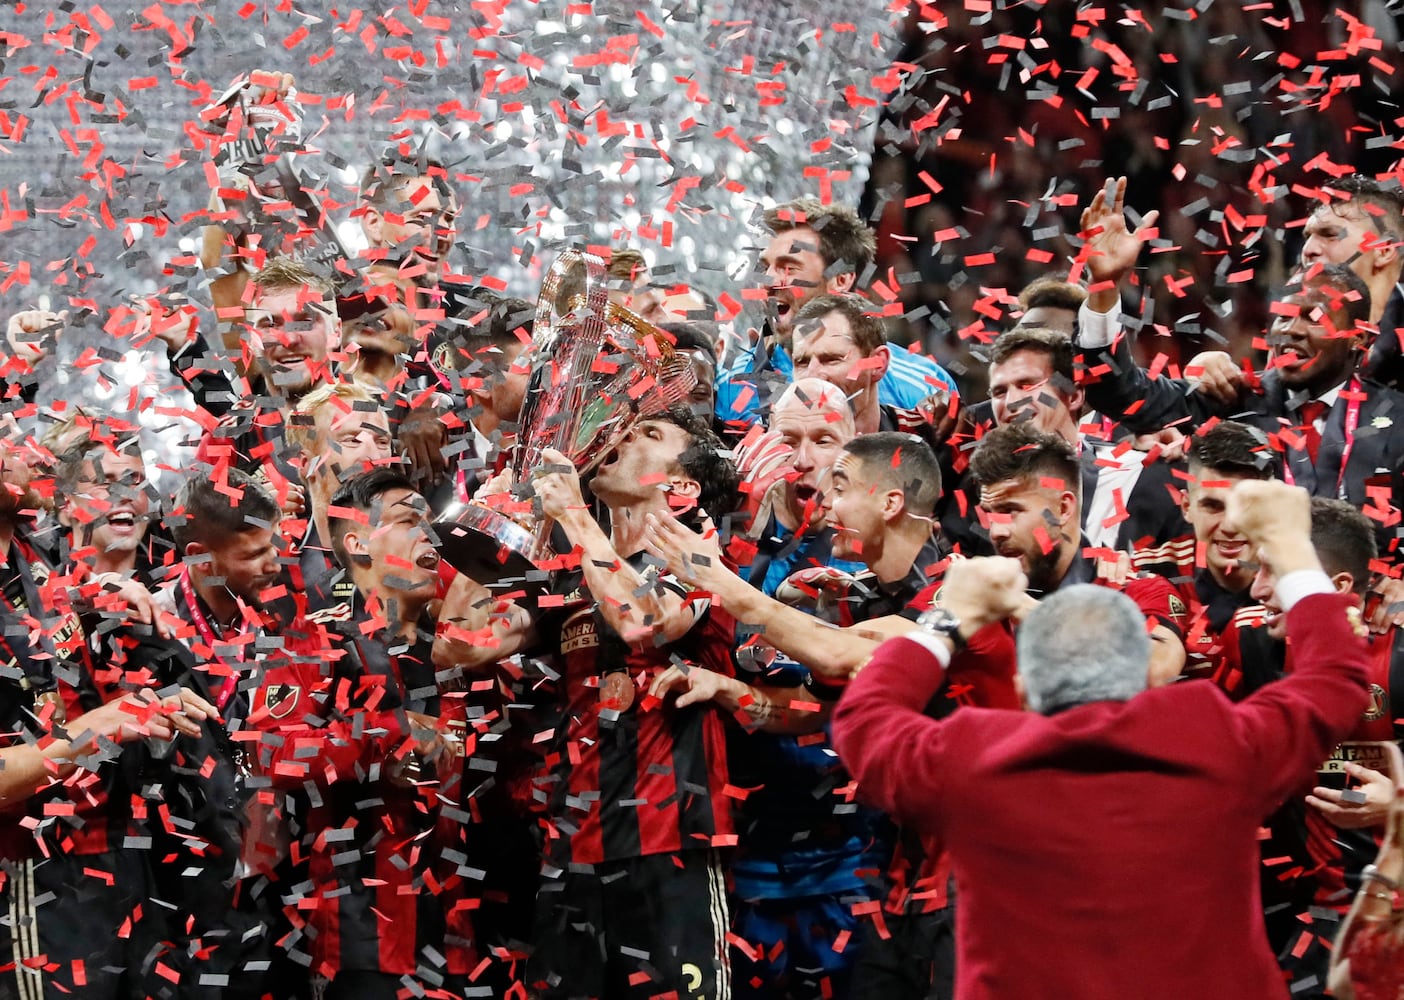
pixel 423 438
pixel 498 494
pixel 266 103
pixel 557 485
pixel 269 86
pixel 497 486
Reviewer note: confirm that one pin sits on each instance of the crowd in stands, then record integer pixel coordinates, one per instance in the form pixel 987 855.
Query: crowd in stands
pixel 1212 114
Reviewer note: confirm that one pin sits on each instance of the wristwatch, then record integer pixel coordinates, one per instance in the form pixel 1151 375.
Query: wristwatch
pixel 939 621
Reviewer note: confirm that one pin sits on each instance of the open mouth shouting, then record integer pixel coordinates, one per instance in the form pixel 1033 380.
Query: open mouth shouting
pixel 123 522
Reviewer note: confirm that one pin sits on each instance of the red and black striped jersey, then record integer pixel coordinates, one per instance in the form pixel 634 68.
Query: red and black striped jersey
pixel 642 778
pixel 334 738
pixel 1202 610
pixel 98 806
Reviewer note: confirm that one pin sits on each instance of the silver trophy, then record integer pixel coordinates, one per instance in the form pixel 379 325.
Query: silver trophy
pixel 597 369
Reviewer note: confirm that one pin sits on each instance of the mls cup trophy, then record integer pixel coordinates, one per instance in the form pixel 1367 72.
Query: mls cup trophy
pixel 597 369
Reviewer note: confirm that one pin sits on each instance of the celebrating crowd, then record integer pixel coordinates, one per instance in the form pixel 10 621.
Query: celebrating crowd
pixel 832 683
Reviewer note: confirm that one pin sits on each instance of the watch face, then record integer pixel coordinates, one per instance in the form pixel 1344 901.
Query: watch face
pixel 939 620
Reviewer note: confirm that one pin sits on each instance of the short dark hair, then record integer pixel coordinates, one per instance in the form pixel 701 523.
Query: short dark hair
pixel 843 235
pixel 481 323
pixel 1233 449
pixel 1383 203
pixel 1052 292
pixel 904 461
pixel 1343 293
pixel 360 493
pixel 1022 451
pixel 705 461
pixel 210 512
pixel 863 319
pixel 1344 540
pixel 692 336
pixel 1053 344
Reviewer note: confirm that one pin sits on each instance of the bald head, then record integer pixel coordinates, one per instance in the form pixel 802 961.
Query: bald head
pixel 814 419
pixel 814 396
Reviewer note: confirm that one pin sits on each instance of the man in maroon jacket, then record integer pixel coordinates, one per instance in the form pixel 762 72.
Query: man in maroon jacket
pixel 1104 844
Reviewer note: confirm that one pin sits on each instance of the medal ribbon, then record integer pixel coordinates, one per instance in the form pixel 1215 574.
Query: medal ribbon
pixel 1352 424
pixel 207 636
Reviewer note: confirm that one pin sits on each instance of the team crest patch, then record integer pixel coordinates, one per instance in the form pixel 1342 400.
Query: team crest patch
pixel 1178 609
pixel 1379 704
pixel 280 699
pixel 443 358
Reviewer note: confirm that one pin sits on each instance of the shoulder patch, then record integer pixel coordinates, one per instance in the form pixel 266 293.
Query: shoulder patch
pixel 279 700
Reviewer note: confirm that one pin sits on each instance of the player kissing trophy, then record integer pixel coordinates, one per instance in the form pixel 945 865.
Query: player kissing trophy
pixel 597 369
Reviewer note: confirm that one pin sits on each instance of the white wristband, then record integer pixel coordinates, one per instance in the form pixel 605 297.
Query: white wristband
pixel 1096 329
pixel 1301 583
pixel 932 644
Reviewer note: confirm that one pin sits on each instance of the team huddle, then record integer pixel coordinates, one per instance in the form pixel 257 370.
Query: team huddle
pixel 262 739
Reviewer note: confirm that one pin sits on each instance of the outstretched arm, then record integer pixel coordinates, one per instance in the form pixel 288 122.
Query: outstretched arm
pixel 140 714
pixel 771 710
pixel 1289 727
pixel 827 650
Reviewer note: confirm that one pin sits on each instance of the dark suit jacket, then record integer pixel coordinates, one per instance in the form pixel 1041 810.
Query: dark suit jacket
pixel 1372 480
pixel 1110 850
pixel 1152 507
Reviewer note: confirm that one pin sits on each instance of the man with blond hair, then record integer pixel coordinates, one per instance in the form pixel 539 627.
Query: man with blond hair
pixel 292 340
pixel 337 431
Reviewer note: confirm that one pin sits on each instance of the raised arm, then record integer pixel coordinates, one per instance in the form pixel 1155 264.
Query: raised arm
pixel 895 751
pixel 1289 727
pixel 827 650
pixel 1115 384
pixel 30 336
pixel 641 610
pixel 478 629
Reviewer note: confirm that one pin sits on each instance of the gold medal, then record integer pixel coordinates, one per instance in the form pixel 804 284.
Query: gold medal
pixel 617 690
pixel 60 710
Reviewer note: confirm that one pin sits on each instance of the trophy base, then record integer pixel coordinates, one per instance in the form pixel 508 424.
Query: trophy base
pixel 490 548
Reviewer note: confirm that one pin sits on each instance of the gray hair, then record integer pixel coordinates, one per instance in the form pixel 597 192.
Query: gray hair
pixel 1083 644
